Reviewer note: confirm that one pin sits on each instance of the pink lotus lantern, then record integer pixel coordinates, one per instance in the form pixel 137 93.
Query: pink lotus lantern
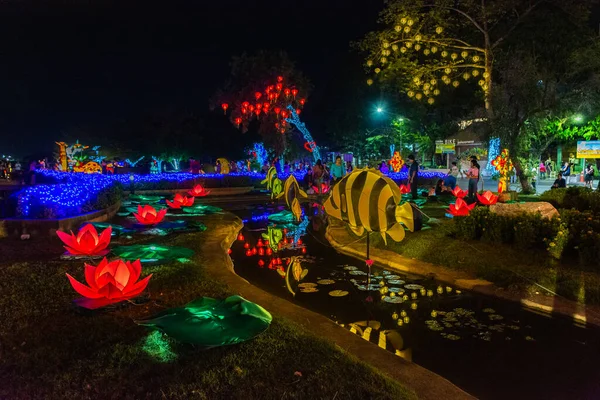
pixel 110 282
pixel 87 242
pixel 487 199
pixel 148 215
pixel 198 191
pixel 460 208
pixel 180 201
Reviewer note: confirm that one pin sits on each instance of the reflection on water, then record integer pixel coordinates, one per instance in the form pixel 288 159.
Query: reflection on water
pixel 490 348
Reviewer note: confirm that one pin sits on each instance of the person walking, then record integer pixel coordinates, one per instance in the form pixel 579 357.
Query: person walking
pixel 337 170
pixel 473 175
pixel 542 170
pixel 589 176
pixel 413 175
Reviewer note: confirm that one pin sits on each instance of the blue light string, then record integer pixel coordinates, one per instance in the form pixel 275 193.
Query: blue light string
pixel 294 119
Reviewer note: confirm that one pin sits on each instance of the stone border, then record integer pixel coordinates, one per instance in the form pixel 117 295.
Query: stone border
pixel 426 384
pixel 584 314
pixel 48 227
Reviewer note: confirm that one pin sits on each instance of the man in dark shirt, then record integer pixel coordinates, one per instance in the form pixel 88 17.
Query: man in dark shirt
pixel 413 174
pixel 560 182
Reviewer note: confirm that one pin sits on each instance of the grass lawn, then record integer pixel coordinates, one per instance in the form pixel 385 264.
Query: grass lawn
pixel 507 266
pixel 50 349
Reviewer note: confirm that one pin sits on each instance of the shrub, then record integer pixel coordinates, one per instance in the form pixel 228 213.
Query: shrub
pixel 579 198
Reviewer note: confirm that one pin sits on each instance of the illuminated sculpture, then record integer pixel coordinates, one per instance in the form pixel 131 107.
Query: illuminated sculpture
pixel 62 156
pixel 487 199
pixel 224 165
pixel 459 193
pixel 198 191
pixel 274 236
pixel 368 200
pixel 133 163
pixel 180 201
pixel 295 270
pixel 291 192
pixel 148 215
pixel 74 156
pixel 404 189
pixel 87 242
pixel 280 105
pixel 274 184
pixel 460 208
pixel 396 162
pixel 156 166
pixel 208 322
pixel 109 282
pixel 504 166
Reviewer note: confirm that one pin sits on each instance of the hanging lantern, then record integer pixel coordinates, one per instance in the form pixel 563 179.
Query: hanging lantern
pixel 406 29
pixel 238 121
pixel 261 251
pixel 245 104
pixel 302 101
pixel 426 52
pixel 369 63
pixel 430 100
pixel 447 70
pixel 434 49
pixel 454 56
pixel 411 93
pixel 444 53
pixel 409 44
pixel 383 60
pixel 377 70
pixel 287 92
pixel 466 76
pixel 240 237
pixel 436 92
pixel 224 106
pixel 476 58
pixel 251 108
pixel 464 54
pixel 294 92
pixel 439 30
pixel 246 245
pixel 418 96
pixel 280 78
pixel 254 251
pixel 298 111
pixel 417 47
pixel 284 114
pixel 244 110
pixel 369 81
pixel 258 106
pixel 269 252
pixel 394 47
pixel 248 253
pixel 257 112
pixel 261 263
pixel 257 95
pixel 475 72
pixel 403 49
pixel 455 83
pixel 279 86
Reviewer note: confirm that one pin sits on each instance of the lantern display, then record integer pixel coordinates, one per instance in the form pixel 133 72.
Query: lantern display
pixel 87 242
pixel 460 208
pixel 180 201
pixel 147 215
pixel 224 106
pixel 504 166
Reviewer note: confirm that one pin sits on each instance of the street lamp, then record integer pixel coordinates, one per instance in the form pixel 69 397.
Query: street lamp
pixel 578 118
pixel 379 110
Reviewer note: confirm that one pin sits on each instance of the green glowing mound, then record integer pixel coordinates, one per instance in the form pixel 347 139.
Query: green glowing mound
pixel 143 199
pixel 152 252
pixel 202 209
pixel 209 322
pixel 282 217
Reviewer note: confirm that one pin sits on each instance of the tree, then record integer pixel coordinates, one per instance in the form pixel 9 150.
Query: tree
pixel 428 44
pixel 248 89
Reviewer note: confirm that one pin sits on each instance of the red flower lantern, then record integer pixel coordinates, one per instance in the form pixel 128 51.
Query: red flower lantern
pixel 147 215
pixel 110 282
pixel 269 251
pixel 245 104
pixel 404 189
pixel 224 106
pixel 248 253
pixel 180 201
pixel 87 242
pixel 277 110
pixel 459 193
pixel 460 208
pixel 258 106
pixel 261 251
pixel 487 199
pixel 261 263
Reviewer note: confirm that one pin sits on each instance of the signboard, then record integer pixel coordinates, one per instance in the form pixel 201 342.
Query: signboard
pixel 588 149
pixel 445 148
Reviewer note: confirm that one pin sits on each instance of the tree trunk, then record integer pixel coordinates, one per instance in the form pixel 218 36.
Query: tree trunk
pixel 525 185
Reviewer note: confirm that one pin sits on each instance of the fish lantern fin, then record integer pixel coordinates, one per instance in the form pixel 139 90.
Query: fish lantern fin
pixel 405 215
pixel 358 230
pixel 280 195
pixel 384 237
pixel 302 193
pixel 396 232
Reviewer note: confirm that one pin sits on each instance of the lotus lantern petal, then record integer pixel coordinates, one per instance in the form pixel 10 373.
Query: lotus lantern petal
pixel 147 215
pixel 460 208
pixel 198 191
pixel 110 282
pixel 404 189
pixel 87 242
pixel 459 193
pixel 488 198
pixel 181 201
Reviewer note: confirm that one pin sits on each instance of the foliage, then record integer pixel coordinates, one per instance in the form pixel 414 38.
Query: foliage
pixel 578 198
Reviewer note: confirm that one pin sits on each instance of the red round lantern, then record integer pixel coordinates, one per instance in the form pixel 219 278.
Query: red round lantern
pixel 261 252
pixel 238 121
pixel 279 86
pixel 261 263
pixel 251 108
pixel 287 92
pixel 248 253
pixel 302 101
pixel 269 252
pixel 254 251
pixel 246 245
pixel 259 243
pixel 224 106
pixel 240 236
pixel 257 95
pixel 299 242
pixel 304 250
pixel 280 78
pixel 298 111
pixel 229 251
pixel 284 114
pixel 294 92
pixel 245 104
pixel 277 110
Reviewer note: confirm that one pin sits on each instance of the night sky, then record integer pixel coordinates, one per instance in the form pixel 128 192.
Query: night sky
pixel 70 64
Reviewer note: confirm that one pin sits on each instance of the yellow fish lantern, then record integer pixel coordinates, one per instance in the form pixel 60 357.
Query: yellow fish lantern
pixel 274 184
pixel 224 165
pixel 294 269
pixel 368 200
pixel 291 192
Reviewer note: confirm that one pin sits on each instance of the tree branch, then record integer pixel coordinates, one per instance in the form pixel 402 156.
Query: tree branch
pixel 516 24
pixel 461 12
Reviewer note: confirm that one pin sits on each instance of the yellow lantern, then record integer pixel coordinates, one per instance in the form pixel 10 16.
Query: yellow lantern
pixel 369 82
pixel 448 289
pixel 413 295
pixel 448 81
pixel 440 290
pixel 394 47
pixel 475 72
pixel 392 294
pixel 382 297
pixel 444 77
pixel 481 82
pixel 400 322
pixel 436 92
pixel 403 313
pixel 423 292
pixel 406 29
pixel 486 74
pixel 383 290
pixel 430 293
pixel 403 21
pixel 430 100
pixel 433 313
pixel 466 76
pixel 410 22
pixel 377 70
pixel 369 63
pixel 444 53
pixel 403 49
pixel 464 54
pixel 406 320
pixel 434 49
pixel 405 297
pixel 426 92
pixel 386 45
pixel 397 28
pixel 426 52
pixel 455 83
pixel 418 37
pixel 395 316
pixel 447 70
pixel 417 47
pixel 454 56
pixel 416 80
pixel 409 44
pixel 426 86
pixel 458 291
pixel 439 30
pixel 476 58
pixel 418 96
pixel 383 60
pixel 413 306
pixel 410 93
pixel 433 82
pixel 485 87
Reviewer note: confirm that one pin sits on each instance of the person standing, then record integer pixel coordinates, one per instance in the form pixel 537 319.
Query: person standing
pixel 318 173
pixel 413 175
pixel 589 176
pixel 473 175
pixel 337 169
pixel 566 171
